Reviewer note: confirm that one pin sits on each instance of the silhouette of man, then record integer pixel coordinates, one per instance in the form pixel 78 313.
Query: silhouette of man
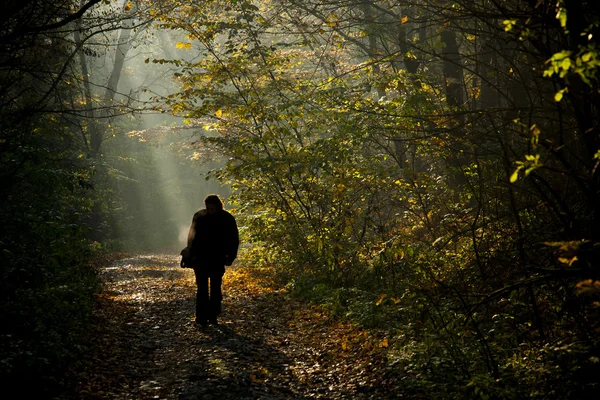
pixel 213 243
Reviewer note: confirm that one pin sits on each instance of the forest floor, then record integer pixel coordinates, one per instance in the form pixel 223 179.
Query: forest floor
pixel 268 345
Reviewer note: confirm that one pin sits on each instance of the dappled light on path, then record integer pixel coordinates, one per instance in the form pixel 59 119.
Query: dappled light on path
pixel 267 345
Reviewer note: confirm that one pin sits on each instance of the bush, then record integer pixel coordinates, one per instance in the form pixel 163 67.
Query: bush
pixel 47 285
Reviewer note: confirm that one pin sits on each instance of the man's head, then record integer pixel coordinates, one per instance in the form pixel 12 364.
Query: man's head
pixel 213 204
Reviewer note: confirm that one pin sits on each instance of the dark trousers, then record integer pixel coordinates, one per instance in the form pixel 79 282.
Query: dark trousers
pixel 209 295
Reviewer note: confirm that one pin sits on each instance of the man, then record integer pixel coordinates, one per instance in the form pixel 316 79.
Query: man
pixel 213 243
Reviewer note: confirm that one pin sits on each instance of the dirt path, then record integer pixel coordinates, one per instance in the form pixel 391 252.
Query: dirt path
pixel 267 346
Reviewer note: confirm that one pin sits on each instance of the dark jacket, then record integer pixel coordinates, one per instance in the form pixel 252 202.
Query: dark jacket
pixel 213 240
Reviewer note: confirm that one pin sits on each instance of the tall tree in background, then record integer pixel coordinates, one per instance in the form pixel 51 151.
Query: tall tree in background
pixel 115 27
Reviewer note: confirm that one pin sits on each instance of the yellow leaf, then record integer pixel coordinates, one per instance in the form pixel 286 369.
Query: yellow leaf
pixel 514 176
pixel 219 113
pixel 344 345
pixel 384 343
pixel 558 96
pixel 181 45
pixel 508 24
pixel 586 57
pixel 403 20
pixel 587 286
pixel 587 282
pixel 568 261
pixel 381 298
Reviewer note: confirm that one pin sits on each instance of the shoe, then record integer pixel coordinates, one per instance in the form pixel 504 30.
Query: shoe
pixel 213 321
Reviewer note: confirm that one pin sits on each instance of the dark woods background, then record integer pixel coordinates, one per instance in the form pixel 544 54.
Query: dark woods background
pixel 428 168
pixel 72 183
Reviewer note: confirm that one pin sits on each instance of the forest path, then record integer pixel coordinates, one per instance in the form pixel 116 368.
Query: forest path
pixel 267 345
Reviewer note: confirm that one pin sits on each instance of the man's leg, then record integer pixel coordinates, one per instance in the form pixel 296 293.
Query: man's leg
pixel 202 300
pixel 216 296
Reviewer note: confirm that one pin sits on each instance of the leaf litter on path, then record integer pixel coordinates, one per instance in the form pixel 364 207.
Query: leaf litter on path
pixel 268 345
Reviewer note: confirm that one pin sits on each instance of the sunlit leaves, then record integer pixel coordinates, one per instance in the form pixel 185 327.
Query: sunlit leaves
pixel 535 135
pixel 380 299
pixel 559 95
pixel 561 15
pixel 509 24
pixel 182 45
pixel 588 287
pixel 559 64
pixel 531 163
pixel 584 63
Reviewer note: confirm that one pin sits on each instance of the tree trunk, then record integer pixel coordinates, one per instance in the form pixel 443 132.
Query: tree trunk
pixel 123 47
pixel 89 101
pixel 453 77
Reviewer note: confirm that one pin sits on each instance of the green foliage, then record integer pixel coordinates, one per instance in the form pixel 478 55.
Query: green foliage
pixel 47 284
pixel 376 171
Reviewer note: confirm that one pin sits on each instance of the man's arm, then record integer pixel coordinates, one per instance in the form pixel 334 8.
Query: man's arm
pixel 233 239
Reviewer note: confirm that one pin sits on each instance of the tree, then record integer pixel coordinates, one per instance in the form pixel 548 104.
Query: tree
pixel 47 287
pixel 418 149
